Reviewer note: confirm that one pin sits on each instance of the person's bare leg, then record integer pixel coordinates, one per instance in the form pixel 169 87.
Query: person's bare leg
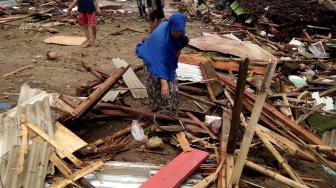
pixel 87 36
pixel 91 34
pixel 86 32
pixel 94 32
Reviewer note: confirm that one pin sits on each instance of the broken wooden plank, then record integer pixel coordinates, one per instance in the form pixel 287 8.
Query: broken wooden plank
pixel 250 129
pixel 94 98
pixel 273 175
pixel 67 139
pixel 181 137
pixel 52 142
pixel 131 79
pixel 18 70
pixel 23 148
pixel 238 104
pixel 201 124
pixel 170 177
pixel 229 168
pixel 61 165
pixel 77 175
pixel 65 40
pixel 214 87
pixel 208 85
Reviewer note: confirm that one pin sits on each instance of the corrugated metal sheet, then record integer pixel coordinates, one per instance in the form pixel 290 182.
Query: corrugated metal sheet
pixel 129 175
pixel 112 95
pixel 34 104
pixel 131 79
pixel 329 137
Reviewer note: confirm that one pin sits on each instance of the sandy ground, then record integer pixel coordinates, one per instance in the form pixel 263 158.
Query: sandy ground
pixel 20 48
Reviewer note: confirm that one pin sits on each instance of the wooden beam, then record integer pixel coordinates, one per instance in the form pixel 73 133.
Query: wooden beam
pixel 214 87
pixel 75 176
pixel 250 129
pixel 201 124
pixel 181 137
pixel 52 142
pixel 223 148
pixel 238 104
pixel 94 98
pixel 229 168
pixel 61 165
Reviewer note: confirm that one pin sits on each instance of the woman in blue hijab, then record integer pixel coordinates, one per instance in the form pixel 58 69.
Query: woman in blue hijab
pixel 160 52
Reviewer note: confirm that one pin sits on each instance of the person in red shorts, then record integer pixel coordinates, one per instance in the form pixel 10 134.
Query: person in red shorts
pixel 87 18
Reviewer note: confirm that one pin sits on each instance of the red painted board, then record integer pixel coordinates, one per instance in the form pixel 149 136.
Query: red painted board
pixel 177 171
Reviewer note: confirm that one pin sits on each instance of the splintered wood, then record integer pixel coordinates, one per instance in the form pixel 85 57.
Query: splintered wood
pixel 52 142
pixel 67 139
pixel 77 175
pixel 181 137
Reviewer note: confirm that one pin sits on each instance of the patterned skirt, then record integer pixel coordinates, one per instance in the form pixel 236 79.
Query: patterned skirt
pixel 157 102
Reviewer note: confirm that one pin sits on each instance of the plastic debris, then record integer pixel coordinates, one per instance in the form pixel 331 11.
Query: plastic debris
pixel 137 132
pixel 328 101
pixel 318 50
pixel 297 81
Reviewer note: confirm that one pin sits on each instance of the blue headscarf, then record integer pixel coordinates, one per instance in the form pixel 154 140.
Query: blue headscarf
pixel 159 50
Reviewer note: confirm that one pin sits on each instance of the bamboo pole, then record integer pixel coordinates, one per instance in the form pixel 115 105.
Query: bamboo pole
pixel 283 162
pixel 250 129
pixel 273 175
pixel 209 179
pixel 322 148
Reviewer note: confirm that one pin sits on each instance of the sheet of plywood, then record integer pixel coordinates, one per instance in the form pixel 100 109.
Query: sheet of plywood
pixel 67 139
pixel 65 40
pixel 243 49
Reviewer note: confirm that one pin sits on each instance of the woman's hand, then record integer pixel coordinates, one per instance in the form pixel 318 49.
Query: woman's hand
pixel 164 88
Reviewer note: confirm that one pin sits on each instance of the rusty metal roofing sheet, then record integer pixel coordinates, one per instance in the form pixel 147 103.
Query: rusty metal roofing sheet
pixel 131 79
